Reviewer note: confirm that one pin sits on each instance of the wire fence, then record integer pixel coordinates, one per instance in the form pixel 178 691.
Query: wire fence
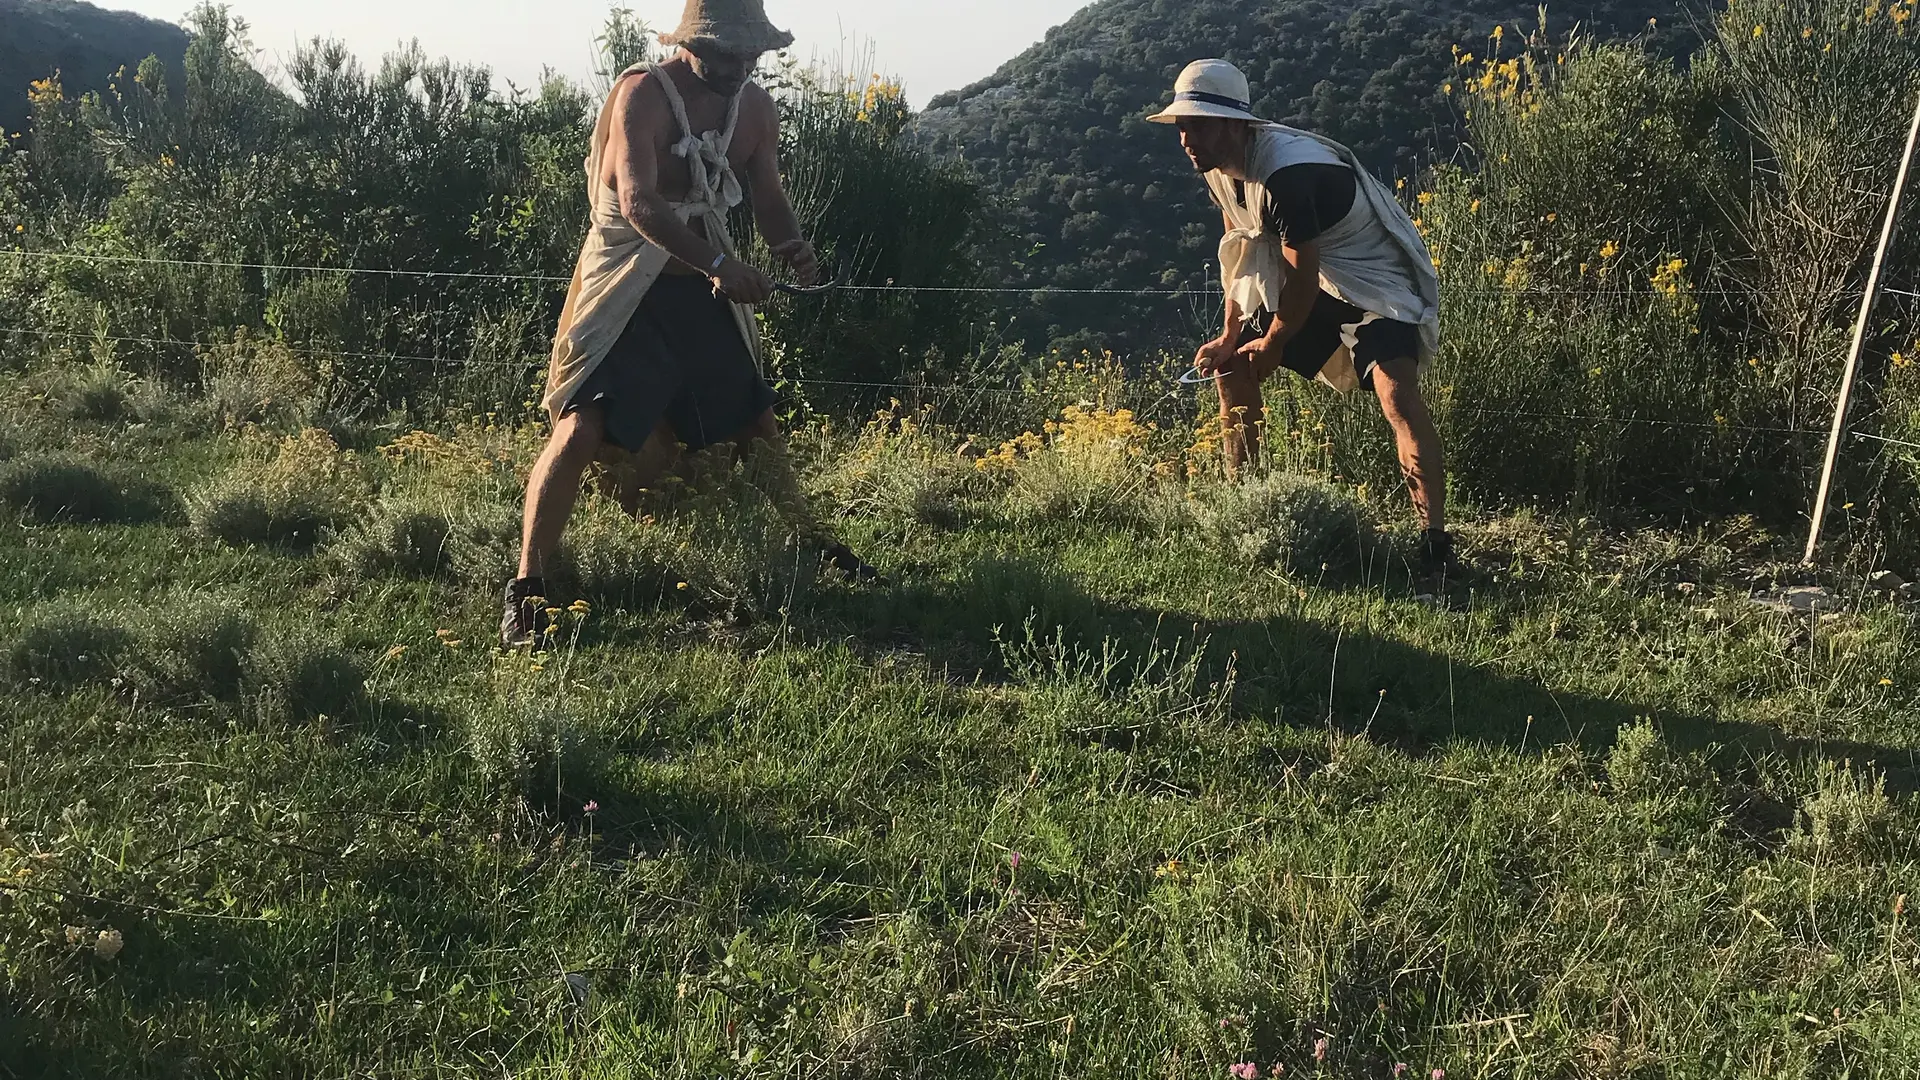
pixel 1207 295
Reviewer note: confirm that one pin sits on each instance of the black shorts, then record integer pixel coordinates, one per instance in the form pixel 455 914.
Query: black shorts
pixel 682 361
pixel 1331 322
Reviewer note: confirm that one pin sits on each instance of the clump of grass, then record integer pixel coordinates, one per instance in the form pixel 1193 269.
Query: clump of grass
pixel 302 675
pixel 194 646
pixel 899 470
pixel 1090 466
pixel 253 380
pixel 528 744
pixel 97 393
pixel 285 495
pixel 1848 815
pixel 62 650
pixel 51 488
pixel 717 542
pixel 403 536
pixel 1302 524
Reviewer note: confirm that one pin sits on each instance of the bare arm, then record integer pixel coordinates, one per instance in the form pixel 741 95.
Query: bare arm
pixel 1298 294
pixel 636 173
pixel 772 209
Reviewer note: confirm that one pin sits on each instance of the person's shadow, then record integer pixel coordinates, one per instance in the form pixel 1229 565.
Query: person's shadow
pixel 1307 673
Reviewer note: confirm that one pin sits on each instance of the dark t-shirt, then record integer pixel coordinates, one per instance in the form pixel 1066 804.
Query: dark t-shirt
pixel 1304 201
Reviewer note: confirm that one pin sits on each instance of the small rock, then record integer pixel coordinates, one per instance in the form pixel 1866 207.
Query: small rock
pixel 1800 600
pixel 1886 581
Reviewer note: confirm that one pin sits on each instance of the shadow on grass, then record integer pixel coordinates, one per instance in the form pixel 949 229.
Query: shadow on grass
pixel 1306 673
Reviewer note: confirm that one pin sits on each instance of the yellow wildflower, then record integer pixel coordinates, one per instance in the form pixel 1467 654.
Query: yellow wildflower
pixel 1473 207
pixel 1759 32
pixel 1609 249
pixel 1426 198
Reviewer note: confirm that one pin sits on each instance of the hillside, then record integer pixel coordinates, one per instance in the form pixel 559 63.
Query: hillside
pixel 86 44
pixel 1098 198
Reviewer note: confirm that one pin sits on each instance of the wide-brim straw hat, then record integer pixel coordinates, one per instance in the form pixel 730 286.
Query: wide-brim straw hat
pixel 738 26
pixel 1209 88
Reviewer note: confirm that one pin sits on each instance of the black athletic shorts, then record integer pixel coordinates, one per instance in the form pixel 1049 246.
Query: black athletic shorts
pixel 1332 320
pixel 680 360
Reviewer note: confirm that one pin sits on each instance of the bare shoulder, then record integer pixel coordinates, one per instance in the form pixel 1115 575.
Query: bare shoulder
pixel 639 102
pixel 758 112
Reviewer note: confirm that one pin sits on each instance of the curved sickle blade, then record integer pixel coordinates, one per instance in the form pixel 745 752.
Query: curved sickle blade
pixel 808 290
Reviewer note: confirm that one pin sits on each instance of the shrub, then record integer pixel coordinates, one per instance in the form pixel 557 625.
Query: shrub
pixel 898 469
pixel 253 380
pixel 1641 763
pixel 303 676
pixel 51 488
pixel 1300 523
pixel 527 744
pixel 62 650
pixel 1091 465
pixel 1848 814
pixel 194 646
pixel 287 496
pixel 402 537
pixel 610 558
pixel 101 393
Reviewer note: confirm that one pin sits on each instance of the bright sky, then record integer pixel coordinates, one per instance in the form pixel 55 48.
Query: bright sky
pixel 933 46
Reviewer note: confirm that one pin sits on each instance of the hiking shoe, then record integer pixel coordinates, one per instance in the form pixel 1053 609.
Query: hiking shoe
pixel 1436 552
pixel 520 623
pixel 842 558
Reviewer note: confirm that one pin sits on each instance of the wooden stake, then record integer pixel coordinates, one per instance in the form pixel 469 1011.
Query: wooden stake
pixel 1845 404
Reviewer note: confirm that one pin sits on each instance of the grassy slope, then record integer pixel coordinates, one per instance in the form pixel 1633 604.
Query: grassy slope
pixel 1230 842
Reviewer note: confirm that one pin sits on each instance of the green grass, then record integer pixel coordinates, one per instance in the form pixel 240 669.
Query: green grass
pixel 1069 798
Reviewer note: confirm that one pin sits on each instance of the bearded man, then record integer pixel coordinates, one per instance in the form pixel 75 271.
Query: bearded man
pixel 1325 276
pixel 658 350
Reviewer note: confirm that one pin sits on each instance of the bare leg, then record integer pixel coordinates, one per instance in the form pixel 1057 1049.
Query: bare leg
pixel 1422 458
pixel 1242 416
pixel 554 487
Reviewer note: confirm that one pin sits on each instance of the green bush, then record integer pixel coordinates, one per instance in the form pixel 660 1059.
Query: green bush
pixel 301 675
pixel 401 537
pixel 528 745
pixel 63 650
pixel 99 392
pixel 1302 524
pixel 194 646
pixel 287 495
pixel 1847 815
pixel 902 469
pixel 50 488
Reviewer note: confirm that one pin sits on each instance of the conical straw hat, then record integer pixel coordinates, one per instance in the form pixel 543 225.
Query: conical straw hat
pixel 738 26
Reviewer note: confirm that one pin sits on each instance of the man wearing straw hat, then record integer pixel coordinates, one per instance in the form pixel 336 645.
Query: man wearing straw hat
pixel 1325 276
pixel 657 347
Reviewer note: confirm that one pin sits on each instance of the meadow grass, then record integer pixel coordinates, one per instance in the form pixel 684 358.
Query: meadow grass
pixel 1085 791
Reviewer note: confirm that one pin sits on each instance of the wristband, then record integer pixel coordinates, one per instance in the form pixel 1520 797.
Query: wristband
pixel 718 261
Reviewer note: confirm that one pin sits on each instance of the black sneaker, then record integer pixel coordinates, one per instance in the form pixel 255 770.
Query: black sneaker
pixel 520 623
pixel 842 558
pixel 1436 552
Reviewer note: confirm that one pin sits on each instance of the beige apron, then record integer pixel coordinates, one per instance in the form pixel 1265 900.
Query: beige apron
pixel 618 266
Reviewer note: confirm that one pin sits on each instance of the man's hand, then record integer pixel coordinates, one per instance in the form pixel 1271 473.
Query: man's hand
pixel 1215 356
pixel 1263 354
pixel 741 283
pixel 805 261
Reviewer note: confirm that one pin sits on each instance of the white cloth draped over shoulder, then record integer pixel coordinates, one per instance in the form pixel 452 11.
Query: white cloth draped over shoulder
pixel 617 265
pixel 1374 258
